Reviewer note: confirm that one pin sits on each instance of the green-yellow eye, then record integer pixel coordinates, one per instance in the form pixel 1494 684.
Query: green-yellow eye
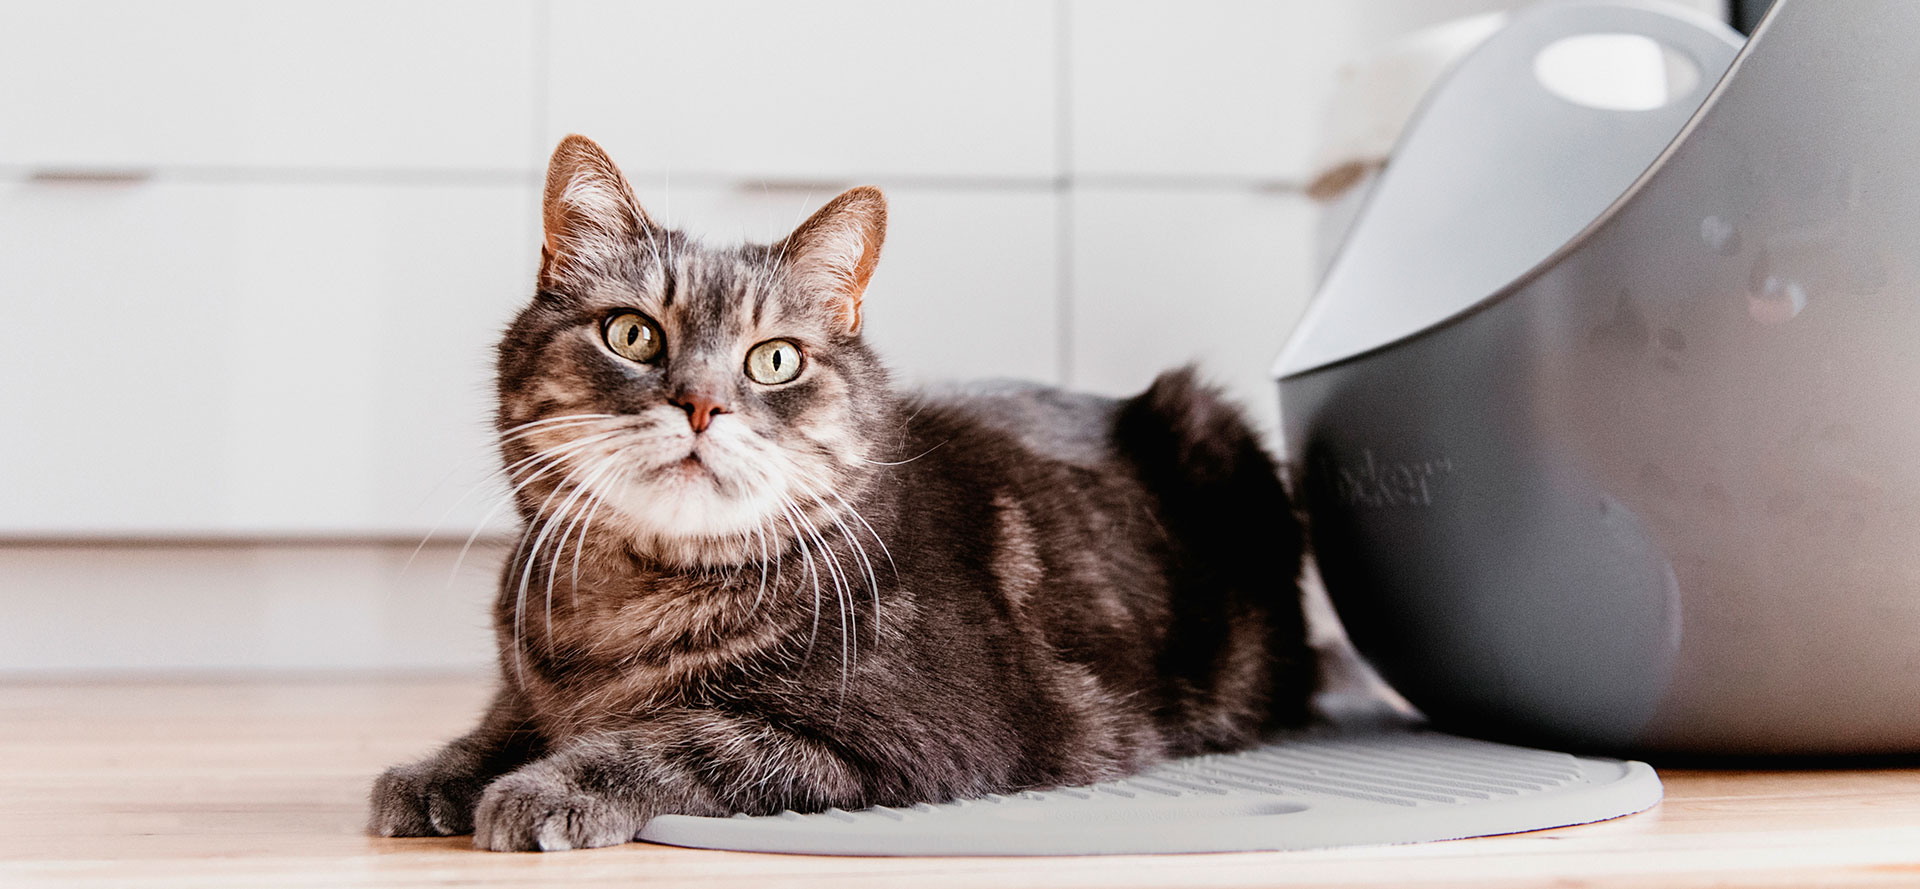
pixel 633 336
pixel 774 361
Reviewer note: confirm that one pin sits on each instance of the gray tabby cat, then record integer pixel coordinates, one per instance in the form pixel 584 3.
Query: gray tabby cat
pixel 757 577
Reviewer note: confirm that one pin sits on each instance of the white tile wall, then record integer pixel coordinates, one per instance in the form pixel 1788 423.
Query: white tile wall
pixel 407 84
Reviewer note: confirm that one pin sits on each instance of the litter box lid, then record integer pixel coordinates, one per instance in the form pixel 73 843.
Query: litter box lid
pixel 1524 145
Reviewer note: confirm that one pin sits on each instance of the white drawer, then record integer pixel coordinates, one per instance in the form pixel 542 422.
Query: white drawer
pixel 967 281
pixel 820 90
pixel 1161 278
pixel 249 359
pixel 308 84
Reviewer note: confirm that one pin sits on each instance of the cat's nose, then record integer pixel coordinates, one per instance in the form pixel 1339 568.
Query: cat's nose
pixel 700 409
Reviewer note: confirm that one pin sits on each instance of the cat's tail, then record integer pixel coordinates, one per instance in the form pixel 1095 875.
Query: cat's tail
pixel 1222 499
pixel 1186 433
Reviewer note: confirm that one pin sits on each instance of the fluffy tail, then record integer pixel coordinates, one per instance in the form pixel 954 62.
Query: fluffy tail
pixel 1238 542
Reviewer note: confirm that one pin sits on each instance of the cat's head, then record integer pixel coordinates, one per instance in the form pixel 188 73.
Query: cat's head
pixel 700 401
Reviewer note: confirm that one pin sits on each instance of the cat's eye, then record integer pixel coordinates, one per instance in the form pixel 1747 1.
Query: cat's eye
pixel 774 361
pixel 633 336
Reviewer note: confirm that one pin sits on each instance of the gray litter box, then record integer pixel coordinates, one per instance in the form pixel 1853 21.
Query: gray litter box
pixel 1607 419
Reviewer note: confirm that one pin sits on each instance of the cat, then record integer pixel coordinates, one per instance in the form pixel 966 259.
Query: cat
pixel 756 577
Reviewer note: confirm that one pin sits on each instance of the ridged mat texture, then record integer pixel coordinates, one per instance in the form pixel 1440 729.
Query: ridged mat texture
pixel 1315 792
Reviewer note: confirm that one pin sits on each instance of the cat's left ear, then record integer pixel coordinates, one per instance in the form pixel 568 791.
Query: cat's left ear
pixel 835 251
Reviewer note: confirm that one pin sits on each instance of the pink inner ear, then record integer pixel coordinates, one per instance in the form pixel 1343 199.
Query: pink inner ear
pixel 850 311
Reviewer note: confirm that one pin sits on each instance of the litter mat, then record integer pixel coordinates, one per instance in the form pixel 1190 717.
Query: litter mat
pixel 1355 788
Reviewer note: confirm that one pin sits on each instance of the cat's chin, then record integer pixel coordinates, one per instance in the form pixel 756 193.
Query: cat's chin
pixel 682 515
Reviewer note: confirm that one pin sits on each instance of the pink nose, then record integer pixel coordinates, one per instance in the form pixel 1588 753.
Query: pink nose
pixel 700 410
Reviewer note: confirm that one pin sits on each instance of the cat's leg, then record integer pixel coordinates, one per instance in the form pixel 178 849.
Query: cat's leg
pixel 437 795
pixel 600 790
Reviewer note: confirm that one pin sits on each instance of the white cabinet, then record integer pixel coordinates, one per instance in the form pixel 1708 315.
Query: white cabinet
pixel 968 286
pixel 384 84
pixel 809 91
pixel 193 359
pixel 968 282
pixel 1204 88
pixel 1165 277
pixel 221 606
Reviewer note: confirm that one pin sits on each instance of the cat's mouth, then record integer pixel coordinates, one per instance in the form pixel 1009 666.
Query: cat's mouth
pixel 693 468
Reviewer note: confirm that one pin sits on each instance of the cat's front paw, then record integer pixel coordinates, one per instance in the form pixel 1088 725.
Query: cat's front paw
pixel 419 800
pixel 532 812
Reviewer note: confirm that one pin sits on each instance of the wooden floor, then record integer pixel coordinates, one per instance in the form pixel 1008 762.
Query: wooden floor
pixel 263 784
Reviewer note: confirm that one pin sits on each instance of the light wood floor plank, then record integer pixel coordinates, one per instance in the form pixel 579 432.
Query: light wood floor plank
pixel 263 783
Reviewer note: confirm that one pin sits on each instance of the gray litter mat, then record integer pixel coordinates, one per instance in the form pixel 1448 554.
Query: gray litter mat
pixel 1317 792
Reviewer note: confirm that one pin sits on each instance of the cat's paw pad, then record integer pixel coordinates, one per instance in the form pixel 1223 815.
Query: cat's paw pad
pixel 414 801
pixel 534 813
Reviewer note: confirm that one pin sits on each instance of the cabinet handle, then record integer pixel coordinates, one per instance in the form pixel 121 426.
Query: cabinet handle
pixel 83 176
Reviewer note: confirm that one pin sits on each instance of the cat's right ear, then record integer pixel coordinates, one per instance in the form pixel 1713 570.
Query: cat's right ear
pixel 589 209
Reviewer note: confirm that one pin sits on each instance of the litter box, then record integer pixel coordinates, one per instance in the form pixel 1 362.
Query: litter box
pixel 1606 416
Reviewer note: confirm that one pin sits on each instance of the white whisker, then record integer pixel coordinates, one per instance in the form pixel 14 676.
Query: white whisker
pixel 863 523
pixel 908 460
pixel 599 500
pixel 860 554
pixel 462 499
pixel 814 635
pixel 584 488
pixel 557 455
pixel 545 421
pixel 532 555
pixel 760 534
pixel 842 598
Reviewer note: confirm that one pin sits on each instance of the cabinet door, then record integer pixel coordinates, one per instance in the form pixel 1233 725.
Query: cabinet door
pixel 1163 278
pixel 194 359
pixel 819 90
pixel 383 84
pixel 968 281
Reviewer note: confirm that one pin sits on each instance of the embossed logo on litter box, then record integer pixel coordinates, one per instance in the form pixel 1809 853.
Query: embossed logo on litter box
pixel 1377 484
